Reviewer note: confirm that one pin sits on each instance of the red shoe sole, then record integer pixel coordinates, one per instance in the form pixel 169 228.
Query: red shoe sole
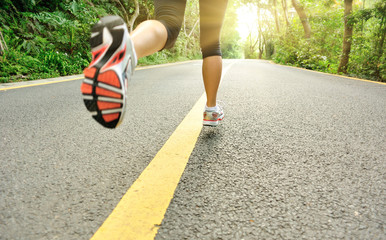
pixel 103 96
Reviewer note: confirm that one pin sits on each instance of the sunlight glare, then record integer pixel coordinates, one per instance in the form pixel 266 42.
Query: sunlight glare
pixel 247 21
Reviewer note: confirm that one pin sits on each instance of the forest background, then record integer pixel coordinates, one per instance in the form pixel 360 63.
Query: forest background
pixel 49 38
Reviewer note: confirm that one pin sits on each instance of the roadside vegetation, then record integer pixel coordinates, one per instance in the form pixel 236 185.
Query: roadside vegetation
pixel 42 39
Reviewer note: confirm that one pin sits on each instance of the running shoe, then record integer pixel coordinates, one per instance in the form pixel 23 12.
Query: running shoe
pixel 105 84
pixel 212 118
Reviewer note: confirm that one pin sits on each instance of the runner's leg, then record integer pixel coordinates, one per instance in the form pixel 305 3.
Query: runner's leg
pixel 149 37
pixel 154 35
pixel 211 16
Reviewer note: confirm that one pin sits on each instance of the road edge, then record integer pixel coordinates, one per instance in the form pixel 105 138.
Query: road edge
pixel 330 74
pixel 40 82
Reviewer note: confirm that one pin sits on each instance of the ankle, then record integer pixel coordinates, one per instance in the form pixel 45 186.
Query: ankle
pixel 211 104
pixel 215 108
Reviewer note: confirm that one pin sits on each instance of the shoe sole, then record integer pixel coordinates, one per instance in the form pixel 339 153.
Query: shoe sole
pixel 103 89
pixel 210 123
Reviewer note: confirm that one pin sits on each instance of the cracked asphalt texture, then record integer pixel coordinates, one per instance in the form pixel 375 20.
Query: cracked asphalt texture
pixel 299 155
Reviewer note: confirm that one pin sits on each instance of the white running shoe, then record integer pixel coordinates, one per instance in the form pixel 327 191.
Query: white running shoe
pixel 212 118
pixel 105 84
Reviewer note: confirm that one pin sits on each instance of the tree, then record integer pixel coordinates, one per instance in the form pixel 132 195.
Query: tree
pixel 348 32
pixel 230 37
pixel 285 10
pixel 134 16
pixel 126 10
pixel 3 44
pixel 303 18
pixel 274 6
pixel 380 12
pixel 261 36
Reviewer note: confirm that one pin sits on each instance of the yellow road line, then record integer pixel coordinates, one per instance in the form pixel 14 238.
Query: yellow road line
pixel 79 78
pixel 140 212
pixel 165 65
pixel 331 74
pixel 39 84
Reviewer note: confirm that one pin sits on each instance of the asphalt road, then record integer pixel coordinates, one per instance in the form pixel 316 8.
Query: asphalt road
pixel 299 155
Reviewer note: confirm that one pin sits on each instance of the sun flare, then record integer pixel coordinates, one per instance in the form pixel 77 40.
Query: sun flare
pixel 247 21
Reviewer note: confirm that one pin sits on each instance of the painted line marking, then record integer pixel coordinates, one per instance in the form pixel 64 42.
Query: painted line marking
pixel 330 74
pixel 141 210
pixel 79 78
pixel 40 84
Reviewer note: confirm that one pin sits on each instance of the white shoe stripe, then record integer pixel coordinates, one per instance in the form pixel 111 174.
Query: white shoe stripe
pixel 111 88
pixel 87 97
pixel 88 81
pixel 122 26
pixel 94 34
pixel 105 86
pixel 117 110
pixel 107 99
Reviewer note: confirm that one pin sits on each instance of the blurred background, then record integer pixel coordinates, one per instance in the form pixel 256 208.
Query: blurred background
pixel 49 38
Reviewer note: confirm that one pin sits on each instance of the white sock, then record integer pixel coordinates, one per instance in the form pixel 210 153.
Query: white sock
pixel 212 109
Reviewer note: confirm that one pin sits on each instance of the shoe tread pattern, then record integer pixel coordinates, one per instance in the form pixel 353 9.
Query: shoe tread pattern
pixel 109 120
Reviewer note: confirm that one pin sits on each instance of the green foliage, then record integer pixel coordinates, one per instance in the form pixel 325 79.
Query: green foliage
pixel 50 38
pixel 47 38
pixel 321 52
pixel 368 56
pixel 230 39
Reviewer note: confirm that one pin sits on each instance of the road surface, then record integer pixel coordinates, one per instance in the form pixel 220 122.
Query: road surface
pixel 299 155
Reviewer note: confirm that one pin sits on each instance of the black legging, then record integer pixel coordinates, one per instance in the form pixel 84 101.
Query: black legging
pixel 171 14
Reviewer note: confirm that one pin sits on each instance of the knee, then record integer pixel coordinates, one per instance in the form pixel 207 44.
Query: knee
pixel 159 32
pixel 173 30
pixel 213 49
pixel 210 40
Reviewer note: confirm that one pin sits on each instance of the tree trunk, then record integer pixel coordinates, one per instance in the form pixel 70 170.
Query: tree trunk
pixel 261 50
pixel 194 27
pixel 348 31
pixel 120 3
pixel 3 44
pixel 285 10
pixel 303 18
pixel 363 7
pixel 135 15
pixel 90 3
pixel 190 34
pixel 148 15
pixel 379 48
pixel 276 16
pixel 261 43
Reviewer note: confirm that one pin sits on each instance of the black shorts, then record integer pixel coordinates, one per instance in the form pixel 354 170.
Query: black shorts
pixel 171 14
